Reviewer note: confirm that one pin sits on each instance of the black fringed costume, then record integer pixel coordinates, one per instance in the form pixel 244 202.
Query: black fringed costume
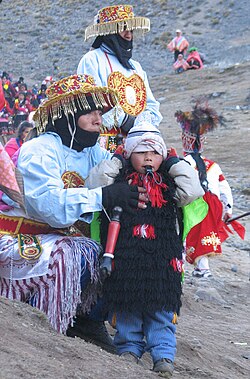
pixel 147 271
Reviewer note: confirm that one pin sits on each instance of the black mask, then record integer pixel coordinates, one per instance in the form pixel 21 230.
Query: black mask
pixel 82 138
pixel 121 47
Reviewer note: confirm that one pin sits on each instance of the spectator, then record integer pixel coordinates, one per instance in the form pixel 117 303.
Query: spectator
pixel 178 45
pixel 194 60
pixel 180 65
pixel 15 143
pixel 22 108
pixel 41 96
pixel 9 90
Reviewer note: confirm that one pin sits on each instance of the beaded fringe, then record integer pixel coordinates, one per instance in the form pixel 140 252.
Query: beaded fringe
pixel 140 24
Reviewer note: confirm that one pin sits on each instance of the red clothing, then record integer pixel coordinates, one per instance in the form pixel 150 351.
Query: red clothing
pixel 204 239
pixel 24 106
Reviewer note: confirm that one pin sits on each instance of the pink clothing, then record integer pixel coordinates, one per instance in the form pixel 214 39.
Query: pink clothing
pixel 181 63
pixel 8 180
pixel 178 43
pixel 194 60
pixel 12 146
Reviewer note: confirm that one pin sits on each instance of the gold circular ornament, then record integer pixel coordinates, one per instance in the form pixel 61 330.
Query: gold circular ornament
pixel 72 179
pixel 132 92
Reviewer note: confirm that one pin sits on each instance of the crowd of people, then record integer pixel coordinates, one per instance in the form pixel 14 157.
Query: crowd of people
pixel 18 102
pixel 53 251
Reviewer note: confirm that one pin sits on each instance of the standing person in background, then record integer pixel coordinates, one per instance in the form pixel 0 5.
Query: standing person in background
pixel 22 108
pixel 41 96
pixel 15 143
pixel 203 241
pixel 178 45
pixel 8 88
pixel 110 63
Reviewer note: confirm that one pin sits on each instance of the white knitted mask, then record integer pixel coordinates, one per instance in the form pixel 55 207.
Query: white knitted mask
pixel 144 137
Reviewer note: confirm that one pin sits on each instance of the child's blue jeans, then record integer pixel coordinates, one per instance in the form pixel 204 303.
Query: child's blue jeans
pixel 146 331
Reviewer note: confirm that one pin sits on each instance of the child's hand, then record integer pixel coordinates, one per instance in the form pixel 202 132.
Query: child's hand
pixel 119 155
pixel 226 217
pixel 172 152
pixel 119 150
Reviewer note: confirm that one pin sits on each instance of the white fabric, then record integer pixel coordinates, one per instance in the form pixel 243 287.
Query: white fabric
pixel 203 264
pixel 95 63
pixel 104 173
pixel 219 187
pixel 9 253
pixel 187 183
pixel 42 162
pixel 144 137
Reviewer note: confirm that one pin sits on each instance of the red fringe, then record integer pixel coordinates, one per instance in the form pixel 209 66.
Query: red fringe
pixel 237 227
pixel 153 184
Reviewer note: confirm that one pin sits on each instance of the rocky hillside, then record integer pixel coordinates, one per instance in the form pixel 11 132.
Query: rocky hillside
pixel 40 38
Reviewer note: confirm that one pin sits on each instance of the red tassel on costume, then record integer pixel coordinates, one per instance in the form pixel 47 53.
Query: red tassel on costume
pixel 153 184
pixel 144 231
pixel 176 264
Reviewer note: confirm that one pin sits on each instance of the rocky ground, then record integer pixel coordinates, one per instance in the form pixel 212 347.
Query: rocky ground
pixel 213 332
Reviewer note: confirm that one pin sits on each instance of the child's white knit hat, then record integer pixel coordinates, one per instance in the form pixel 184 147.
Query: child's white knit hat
pixel 144 137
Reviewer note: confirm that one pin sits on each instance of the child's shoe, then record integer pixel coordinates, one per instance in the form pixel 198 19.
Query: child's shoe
pixel 164 367
pixel 197 273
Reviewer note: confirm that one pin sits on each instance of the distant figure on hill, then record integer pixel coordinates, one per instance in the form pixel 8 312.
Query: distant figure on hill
pixel 178 45
pixel 180 65
pixel 194 59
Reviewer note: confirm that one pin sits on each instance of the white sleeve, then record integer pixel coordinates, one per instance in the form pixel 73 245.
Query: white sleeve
pixel 46 199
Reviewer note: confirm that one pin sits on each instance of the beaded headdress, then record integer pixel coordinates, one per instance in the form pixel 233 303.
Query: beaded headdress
pixel 70 93
pixel 195 124
pixel 115 19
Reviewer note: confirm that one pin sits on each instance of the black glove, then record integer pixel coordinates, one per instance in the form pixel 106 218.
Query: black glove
pixel 121 194
pixel 127 123
pixel 105 268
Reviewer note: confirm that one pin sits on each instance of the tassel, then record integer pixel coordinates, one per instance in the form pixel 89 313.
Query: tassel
pixel 153 184
pixel 144 231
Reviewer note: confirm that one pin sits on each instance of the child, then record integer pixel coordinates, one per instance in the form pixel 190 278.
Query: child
pixel 180 65
pixel 205 239
pixel 144 290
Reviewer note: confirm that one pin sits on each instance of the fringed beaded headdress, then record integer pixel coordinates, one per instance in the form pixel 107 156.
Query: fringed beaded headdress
pixel 115 19
pixel 65 95
pixel 195 124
